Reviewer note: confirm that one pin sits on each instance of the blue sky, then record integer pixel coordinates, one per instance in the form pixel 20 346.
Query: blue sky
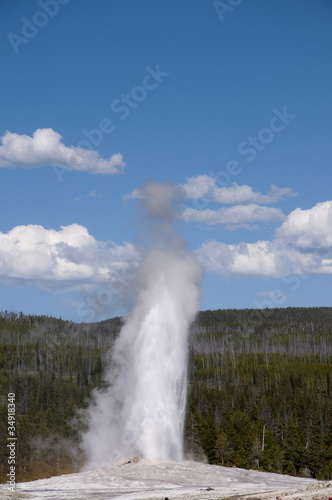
pixel 225 99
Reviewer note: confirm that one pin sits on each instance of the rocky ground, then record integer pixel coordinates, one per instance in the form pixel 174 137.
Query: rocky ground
pixel 139 479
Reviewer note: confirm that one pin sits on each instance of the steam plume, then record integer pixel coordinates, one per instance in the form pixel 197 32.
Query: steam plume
pixel 142 412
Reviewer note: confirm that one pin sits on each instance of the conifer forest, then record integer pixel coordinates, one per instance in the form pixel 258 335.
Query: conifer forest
pixel 259 389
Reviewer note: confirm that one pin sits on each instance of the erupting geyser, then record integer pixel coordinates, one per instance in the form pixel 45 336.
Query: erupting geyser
pixel 142 412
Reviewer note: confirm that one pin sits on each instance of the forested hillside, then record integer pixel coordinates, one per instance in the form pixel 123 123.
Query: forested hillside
pixel 259 391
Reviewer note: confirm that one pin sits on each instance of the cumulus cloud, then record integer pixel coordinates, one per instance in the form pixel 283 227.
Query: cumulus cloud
pixel 246 195
pixel 199 186
pixel 239 215
pixel 243 259
pixel 302 245
pixel 309 229
pixel 204 186
pixel 136 194
pixel 249 205
pixel 45 148
pixel 247 209
pixel 68 259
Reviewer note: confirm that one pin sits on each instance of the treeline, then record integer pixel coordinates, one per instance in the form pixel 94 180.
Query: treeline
pixel 259 389
pixel 51 366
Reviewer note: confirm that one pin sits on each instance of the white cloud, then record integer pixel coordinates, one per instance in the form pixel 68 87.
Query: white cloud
pixel 239 215
pixel 204 186
pixel 302 245
pixel 136 194
pixel 254 259
pixel 247 208
pixel 245 195
pixel 61 260
pixel 309 228
pixel 198 187
pixel 243 214
pixel 45 148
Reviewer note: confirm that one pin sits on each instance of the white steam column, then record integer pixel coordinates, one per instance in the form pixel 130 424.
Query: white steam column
pixel 143 410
